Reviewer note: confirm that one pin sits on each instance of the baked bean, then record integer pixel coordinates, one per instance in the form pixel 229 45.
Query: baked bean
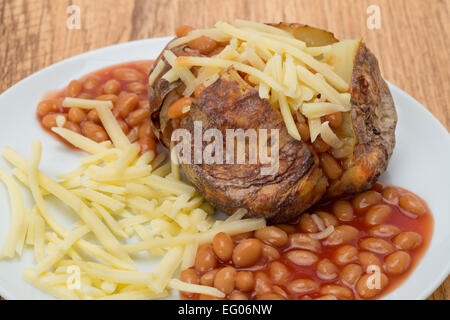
pixel 122 93
pixel 350 274
pixel 376 245
pixel 365 200
pixel 189 276
pixel 94 131
pixel 126 104
pixel 46 106
pixel 238 296
pixel 342 234
pixel 245 281
pixel 412 204
pixel 345 254
pixel 337 291
pixel 377 214
pixel 407 240
pixel 278 272
pixel 72 127
pixel 76 115
pixel 207 279
pixel 183 30
pixel 270 253
pixel 203 44
pixel 378 187
pixel 144 104
pixel 320 146
pixel 367 287
pixel 123 125
pixel 97 92
pixel 247 253
pixel 112 87
pixel 330 166
pixel 59 104
pixel 145 129
pixel 176 109
pixel 327 218
pixel 243 236
pixel 128 74
pixel 272 235
pixel 279 291
pixel 303 241
pixel 367 259
pixel 85 95
pixel 90 83
pixel 146 144
pixel 137 116
pixel 390 194
pixel 205 259
pixel 397 262
pixel 303 130
pixel 225 279
pixel 74 88
pixel 302 257
pixel 270 296
pixel 288 228
pixel 334 119
pixel 384 231
pixel 136 87
pixel 326 270
pixel 328 297
pixel 223 246
pixel 307 224
pixel 49 121
pixel 343 210
pixel 107 97
pixel 93 116
pixel 302 286
pixel 262 283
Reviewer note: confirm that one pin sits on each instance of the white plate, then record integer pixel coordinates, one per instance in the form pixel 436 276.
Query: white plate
pixel 420 162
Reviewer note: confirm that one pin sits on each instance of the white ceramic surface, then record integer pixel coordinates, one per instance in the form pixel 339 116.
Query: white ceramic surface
pixel 420 163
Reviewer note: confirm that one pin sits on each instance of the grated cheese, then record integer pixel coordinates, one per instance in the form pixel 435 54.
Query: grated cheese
pixel 276 63
pixel 85 103
pixel 195 288
pixel 329 136
pixel 323 234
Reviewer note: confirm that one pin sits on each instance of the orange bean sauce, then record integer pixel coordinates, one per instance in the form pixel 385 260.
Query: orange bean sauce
pixel 125 85
pixel 319 271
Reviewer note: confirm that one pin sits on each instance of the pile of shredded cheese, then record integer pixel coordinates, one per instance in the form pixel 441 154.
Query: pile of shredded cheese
pixel 293 77
pixel 126 203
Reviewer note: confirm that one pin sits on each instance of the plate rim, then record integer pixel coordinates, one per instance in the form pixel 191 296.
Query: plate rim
pixel 439 280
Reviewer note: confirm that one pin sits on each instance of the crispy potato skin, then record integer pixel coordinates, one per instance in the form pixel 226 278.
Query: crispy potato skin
pixel 300 181
pixel 279 197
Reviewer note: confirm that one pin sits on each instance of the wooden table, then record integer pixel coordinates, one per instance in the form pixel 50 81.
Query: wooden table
pixel 411 43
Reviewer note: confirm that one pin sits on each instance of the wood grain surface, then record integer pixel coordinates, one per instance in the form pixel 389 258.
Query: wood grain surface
pixel 412 44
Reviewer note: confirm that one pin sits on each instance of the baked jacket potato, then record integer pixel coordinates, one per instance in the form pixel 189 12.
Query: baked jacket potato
pixel 368 127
